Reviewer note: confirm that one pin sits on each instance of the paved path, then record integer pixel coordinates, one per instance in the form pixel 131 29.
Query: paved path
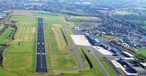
pixel 73 48
pixel 41 55
pixel 98 61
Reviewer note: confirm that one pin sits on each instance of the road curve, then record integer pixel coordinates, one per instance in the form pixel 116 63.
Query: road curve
pixel 73 48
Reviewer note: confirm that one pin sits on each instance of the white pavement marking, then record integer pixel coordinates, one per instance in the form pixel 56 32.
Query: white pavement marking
pixel 41 53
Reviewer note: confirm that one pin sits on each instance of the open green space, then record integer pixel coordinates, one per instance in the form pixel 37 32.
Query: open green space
pixel 61 40
pixel 26 28
pixel 1 26
pixel 69 26
pixel 141 8
pixel 141 51
pixel 108 67
pixel 20 59
pixel 50 40
pixel 95 71
pixel 5 34
pixel 68 11
pixel 77 24
pixel 63 61
pixel 122 12
pixel 46 13
pixel 73 12
pixel 85 18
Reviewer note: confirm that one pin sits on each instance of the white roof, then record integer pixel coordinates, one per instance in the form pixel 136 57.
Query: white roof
pixel 118 65
pixel 80 40
pixel 129 58
pixel 144 64
pixel 102 50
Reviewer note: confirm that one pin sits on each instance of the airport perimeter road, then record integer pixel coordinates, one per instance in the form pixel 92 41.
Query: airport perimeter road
pixel 40 53
pixel 109 58
pixel 98 61
pixel 73 47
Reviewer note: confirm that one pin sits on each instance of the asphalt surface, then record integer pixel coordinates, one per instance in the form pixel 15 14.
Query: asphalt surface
pixel 98 61
pixel 41 55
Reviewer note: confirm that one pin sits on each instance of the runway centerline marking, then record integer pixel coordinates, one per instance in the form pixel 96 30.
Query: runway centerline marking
pixel 40 51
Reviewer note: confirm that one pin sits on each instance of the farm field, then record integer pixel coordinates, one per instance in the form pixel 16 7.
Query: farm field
pixel 23 13
pixel 111 37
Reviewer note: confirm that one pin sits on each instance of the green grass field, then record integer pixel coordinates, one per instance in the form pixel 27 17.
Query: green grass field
pixel 59 36
pixel 122 12
pixel 69 26
pixel 63 61
pixel 20 59
pixel 107 66
pixel 68 11
pixel 77 24
pixel 5 34
pixel 141 8
pixel 141 51
pixel 95 71
pixel 1 26
pixel 26 28
pixel 83 18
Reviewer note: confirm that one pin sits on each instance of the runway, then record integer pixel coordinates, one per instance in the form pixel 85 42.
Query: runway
pixel 40 52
